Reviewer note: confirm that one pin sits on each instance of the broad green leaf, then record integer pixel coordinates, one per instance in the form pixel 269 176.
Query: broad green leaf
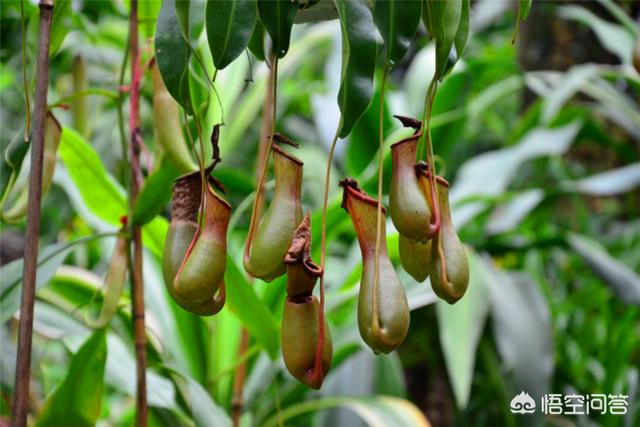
pixel 522 329
pixel 61 24
pixel 102 195
pixel 460 326
pixel 376 411
pixel 182 15
pixel 444 21
pixel 389 377
pixel 173 54
pixel 462 34
pixel 204 410
pixel 230 24
pixel 243 301
pixel 508 216
pixel 99 191
pixel 277 17
pixel 256 43
pixel 624 282
pixel 190 15
pixel 358 61
pixel 77 400
pixel 397 21
pixel 155 194
pixel 49 259
pixel 609 183
pixel 219 364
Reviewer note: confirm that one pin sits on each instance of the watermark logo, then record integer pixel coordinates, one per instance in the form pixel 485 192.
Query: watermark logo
pixel 523 404
pixel 571 404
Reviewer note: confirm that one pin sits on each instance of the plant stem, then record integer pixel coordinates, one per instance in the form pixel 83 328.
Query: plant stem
pixel 137 285
pixel 375 324
pixel 25 333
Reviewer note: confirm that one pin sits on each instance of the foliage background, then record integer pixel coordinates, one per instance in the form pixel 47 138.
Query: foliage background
pixel 541 141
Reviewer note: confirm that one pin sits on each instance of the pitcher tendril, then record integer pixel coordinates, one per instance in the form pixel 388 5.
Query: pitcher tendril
pixel 379 219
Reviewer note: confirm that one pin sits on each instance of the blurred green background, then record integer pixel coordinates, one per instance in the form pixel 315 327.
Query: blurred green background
pixel 540 140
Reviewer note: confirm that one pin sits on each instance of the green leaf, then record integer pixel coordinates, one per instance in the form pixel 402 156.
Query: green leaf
pixel 77 400
pixel 155 193
pixel 203 409
pixel 608 183
pixel 256 43
pixel 624 282
pixel 13 157
pixel 230 24
pixel 524 6
pixel 444 21
pixel 102 195
pixel 375 411
pixel 522 329
pixel 99 191
pixel 397 21
pixel 190 16
pixel 173 54
pixel 61 23
pixel 245 304
pixel 460 328
pixel 182 15
pixel 462 34
pixel 277 17
pixel 147 15
pixel 49 260
pixel 358 61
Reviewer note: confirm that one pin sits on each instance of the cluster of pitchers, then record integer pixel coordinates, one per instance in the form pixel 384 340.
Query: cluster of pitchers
pixel 195 253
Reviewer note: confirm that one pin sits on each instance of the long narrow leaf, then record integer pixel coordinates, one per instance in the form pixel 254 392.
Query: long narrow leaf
pixel 358 61
pixel 230 24
pixel 173 54
pixel 277 17
pixel 397 21
pixel 244 302
pixel 78 399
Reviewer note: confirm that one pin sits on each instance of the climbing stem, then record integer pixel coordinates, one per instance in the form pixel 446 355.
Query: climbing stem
pixel 25 328
pixel 137 285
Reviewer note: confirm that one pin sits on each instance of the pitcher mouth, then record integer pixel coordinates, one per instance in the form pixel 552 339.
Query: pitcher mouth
pixel 351 188
pixel 408 122
pixel 422 168
pixel 278 138
pixel 186 194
